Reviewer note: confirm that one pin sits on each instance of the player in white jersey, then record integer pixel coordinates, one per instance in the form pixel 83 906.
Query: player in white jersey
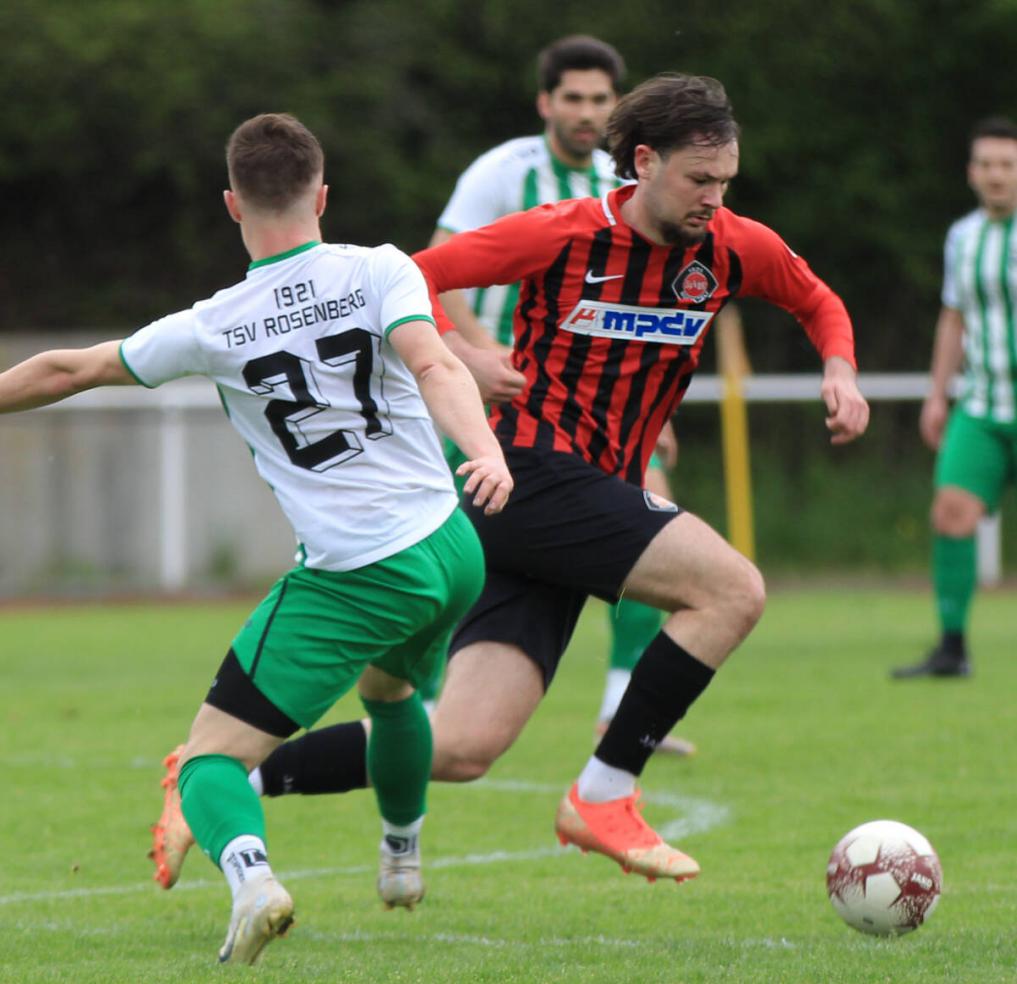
pixel 330 368
pixel 976 440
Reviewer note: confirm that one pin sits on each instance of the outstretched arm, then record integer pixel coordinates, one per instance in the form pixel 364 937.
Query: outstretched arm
pixel 454 402
pixel 53 376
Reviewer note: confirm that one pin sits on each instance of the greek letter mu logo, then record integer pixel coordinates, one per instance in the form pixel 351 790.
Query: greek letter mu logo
pixel 695 283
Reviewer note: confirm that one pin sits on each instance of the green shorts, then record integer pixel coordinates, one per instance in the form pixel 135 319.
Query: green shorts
pixel 977 455
pixel 308 642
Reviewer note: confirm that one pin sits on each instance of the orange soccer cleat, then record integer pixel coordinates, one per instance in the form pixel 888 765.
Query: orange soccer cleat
pixel 617 829
pixel 171 837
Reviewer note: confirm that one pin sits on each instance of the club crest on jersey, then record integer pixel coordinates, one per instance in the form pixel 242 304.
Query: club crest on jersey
pixel 665 326
pixel 695 283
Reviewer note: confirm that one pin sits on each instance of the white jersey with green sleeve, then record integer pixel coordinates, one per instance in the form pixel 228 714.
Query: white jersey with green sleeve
pixel 980 281
pixel 299 351
pixel 516 175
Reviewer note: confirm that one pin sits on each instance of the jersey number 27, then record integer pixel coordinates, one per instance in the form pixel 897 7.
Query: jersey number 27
pixel 289 418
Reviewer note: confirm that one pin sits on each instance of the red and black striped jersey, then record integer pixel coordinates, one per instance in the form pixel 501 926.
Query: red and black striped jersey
pixel 609 327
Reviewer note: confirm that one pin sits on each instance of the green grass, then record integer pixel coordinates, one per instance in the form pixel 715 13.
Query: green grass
pixel 802 737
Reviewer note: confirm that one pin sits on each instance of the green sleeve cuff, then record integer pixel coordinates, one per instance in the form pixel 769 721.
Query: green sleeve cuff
pixel 127 366
pixel 402 321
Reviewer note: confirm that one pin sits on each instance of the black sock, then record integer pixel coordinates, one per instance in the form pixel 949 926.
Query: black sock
pixel 953 644
pixel 332 760
pixel 665 682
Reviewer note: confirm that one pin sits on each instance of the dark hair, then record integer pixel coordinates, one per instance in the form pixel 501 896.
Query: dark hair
pixel 272 159
pixel 577 51
pixel 669 112
pixel 993 126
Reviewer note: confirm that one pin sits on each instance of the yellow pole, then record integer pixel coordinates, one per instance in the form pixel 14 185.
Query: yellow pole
pixel 734 366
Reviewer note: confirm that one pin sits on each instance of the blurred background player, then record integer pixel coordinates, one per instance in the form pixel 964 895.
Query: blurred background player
pixel 976 442
pixel 372 600
pixel 579 78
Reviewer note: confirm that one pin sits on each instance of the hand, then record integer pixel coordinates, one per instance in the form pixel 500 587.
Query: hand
pixel 490 480
pixel 848 411
pixel 667 446
pixel 932 421
pixel 492 369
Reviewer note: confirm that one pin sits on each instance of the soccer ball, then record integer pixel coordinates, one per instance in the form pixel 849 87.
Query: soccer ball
pixel 884 878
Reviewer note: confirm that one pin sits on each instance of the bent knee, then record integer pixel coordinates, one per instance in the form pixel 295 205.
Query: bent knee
pixel 747 599
pixel 460 768
pixel 956 513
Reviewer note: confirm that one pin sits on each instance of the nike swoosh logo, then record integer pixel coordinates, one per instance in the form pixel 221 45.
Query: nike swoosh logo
pixel 591 278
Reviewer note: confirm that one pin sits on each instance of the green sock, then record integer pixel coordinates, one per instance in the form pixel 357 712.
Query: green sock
pixel 953 577
pixel 634 627
pixel 399 758
pixel 218 802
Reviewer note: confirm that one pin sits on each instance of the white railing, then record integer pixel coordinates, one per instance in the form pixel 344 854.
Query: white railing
pixel 175 400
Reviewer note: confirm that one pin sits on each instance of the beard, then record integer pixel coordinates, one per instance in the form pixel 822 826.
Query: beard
pixel 674 234
pixel 571 146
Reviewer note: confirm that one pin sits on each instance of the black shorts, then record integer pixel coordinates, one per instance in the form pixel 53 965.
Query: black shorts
pixel 568 531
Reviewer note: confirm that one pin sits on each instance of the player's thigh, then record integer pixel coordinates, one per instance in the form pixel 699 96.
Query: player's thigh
pixel 517 614
pixel 444 576
pixel 977 456
pixel 491 690
pixel 689 565
pixel 312 637
pixel 570 524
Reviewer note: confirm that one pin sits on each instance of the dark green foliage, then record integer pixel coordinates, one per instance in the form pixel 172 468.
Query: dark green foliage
pixel 116 114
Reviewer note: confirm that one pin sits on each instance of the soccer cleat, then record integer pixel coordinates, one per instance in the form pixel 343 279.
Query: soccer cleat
pixel 940 662
pixel 399 879
pixel 668 745
pixel 171 837
pixel 617 829
pixel 262 911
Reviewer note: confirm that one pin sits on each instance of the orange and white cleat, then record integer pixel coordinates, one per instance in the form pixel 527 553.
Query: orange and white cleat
pixel 617 829
pixel 171 837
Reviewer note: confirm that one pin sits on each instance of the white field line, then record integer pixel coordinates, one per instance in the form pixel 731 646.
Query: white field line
pixel 699 815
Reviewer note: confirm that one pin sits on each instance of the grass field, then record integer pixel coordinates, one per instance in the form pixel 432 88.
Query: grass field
pixel 801 737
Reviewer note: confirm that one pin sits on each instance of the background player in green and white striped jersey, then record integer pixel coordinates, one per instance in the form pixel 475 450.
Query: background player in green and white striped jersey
pixel 578 81
pixel 977 440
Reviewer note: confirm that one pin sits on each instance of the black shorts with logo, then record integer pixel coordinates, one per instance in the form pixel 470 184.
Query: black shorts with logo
pixel 569 530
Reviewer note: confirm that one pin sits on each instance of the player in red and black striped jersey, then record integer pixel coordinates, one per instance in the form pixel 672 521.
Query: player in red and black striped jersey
pixel 616 298
pixel 610 325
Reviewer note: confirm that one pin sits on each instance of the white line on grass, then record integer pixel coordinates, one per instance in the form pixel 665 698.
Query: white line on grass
pixel 468 939
pixel 699 816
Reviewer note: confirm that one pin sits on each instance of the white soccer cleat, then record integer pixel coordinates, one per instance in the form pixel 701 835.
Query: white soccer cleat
pixel 399 880
pixel 262 911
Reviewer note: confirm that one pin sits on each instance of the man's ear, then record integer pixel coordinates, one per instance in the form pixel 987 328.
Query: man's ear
pixel 232 205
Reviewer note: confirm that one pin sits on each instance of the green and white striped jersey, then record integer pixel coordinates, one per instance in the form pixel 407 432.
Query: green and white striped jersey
pixel 980 281
pixel 516 175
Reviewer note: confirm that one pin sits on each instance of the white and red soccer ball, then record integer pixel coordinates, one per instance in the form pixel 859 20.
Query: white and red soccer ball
pixel 884 878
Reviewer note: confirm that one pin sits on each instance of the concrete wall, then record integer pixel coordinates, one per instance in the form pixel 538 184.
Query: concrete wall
pixel 82 502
